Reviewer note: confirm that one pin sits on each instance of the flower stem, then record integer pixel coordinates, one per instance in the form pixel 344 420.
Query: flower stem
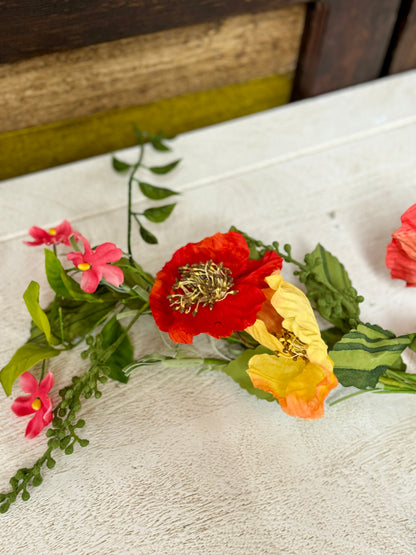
pixel 130 197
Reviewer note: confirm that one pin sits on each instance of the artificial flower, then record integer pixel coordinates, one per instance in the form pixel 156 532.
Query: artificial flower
pixel 37 402
pixel 210 287
pixel 299 373
pixel 401 252
pixel 95 265
pixel 54 236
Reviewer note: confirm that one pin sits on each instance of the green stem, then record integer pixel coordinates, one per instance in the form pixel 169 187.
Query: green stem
pixel 351 395
pixel 130 197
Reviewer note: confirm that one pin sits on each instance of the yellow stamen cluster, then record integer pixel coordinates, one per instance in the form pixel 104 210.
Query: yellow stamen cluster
pixel 37 403
pixel 202 284
pixel 52 231
pixel 83 266
pixel 293 347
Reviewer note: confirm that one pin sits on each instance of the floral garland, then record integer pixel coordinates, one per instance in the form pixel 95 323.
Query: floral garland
pixel 228 286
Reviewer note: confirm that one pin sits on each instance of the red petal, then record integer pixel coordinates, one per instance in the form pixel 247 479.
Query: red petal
pixel 258 270
pixel 401 266
pixel 35 426
pixel 22 406
pixel 90 280
pixel 107 252
pixel 28 383
pixel 112 274
pixel 46 384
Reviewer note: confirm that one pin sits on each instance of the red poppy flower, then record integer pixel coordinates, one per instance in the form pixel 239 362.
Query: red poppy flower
pixel 37 402
pixel 401 252
pixel 54 236
pixel 210 287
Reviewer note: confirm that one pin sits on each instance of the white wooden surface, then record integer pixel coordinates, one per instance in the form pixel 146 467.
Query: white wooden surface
pixel 181 463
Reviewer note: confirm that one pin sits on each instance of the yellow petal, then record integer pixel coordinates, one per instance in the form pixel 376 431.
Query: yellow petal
pixel 298 317
pixel 259 332
pixel 300 386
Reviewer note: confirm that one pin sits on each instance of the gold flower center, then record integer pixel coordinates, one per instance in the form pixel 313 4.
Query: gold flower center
pixel 83 266
pixel 52 231
pixel 293 347
pixel 37 403
pixel 202 284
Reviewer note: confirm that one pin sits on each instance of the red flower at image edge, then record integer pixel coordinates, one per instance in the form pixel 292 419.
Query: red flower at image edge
pixel 401 252
pixel 95 264
pixel 54 236
pixel 37 402
pixel 210 287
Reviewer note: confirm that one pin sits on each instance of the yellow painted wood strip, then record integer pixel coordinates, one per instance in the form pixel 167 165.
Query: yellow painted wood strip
pixel 37 148
pixel 145 69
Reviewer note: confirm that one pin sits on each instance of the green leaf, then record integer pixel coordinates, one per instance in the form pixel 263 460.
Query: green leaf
pixel 364 354
pixel 155 193
pixel 31 298
pixel 62 284
pixel 160 170
pixel 123 356
pixel 237 370
pixel 119 165
pixel 24 359
pixel 332 336
pixel 330 289
pixel 157 142
pixel 159 214
pixel 147 236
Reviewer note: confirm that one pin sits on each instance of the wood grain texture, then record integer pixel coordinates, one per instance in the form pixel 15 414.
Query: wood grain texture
pixel 144 69
pixel 403 55
pixel 345 43
pixel 36 148
pixel 29 28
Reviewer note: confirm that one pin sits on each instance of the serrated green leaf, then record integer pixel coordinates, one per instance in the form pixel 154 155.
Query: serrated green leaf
pixel 330 290
pixel 155 193
pixel 237 370
pixel 160 170
pixel 147 236
pixel 123 356
pixel 31 298
pixel 160 213
pixel 24 359
pixel 119 165
pixel 363 355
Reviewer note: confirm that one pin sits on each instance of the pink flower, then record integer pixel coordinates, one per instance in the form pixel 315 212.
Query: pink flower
pixel 94 265
pixel 54 236
pixel 36 402
pixel 401 252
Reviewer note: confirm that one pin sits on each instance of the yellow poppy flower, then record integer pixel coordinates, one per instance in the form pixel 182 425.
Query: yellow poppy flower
pixel 299 373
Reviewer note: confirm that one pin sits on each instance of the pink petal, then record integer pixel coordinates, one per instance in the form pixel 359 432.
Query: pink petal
pixel 28 383
pixel 87 247
pixel 46 384
pixel 113 274
pixel 107 252
pixel 22 406
pixel 35 426
pixel 40 235
pixel 75 257
pixel 47 415
pixel 90 280
pixel 64 228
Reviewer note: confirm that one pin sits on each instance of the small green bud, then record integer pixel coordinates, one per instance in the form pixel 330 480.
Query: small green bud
pixel 25 495
pixel 69 450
